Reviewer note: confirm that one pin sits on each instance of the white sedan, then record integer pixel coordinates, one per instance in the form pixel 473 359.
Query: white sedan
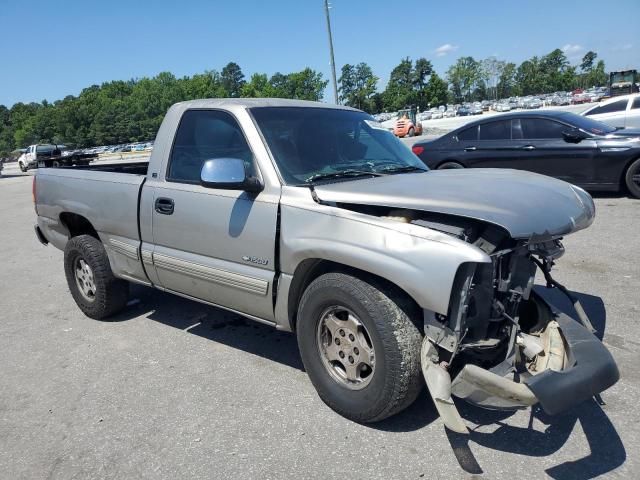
pixel 623 111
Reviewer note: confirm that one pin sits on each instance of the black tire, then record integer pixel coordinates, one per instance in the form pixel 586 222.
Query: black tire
pixel 55 164
pixel 411 132
pixel 449 165
pixel 386 313
pixel 633 185
pixel 23 169
pixel 111 294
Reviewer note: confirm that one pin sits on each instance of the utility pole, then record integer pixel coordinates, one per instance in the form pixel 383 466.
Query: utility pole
pixel 333 63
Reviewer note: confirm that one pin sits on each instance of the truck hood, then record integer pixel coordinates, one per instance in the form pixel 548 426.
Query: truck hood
pixel 526 205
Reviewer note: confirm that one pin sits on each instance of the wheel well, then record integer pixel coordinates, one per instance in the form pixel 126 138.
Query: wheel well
pixel 77 225
pixel 310 269
pixel 449 160
pixel 623 183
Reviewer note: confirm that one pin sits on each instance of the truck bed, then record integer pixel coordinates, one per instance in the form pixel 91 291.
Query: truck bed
pixel 104 195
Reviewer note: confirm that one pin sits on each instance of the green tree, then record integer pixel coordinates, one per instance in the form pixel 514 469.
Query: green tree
pixel 306 85
pixel 463 77
pixel 422 72
pixel 507 82
pixel 587 61
pixel 528 77
pixel 400 92
pixel 357 86
pixel 232 79
pixel 347 84
pixel 553 69
pixel 436 91
pixel 258 86
pixel 597 77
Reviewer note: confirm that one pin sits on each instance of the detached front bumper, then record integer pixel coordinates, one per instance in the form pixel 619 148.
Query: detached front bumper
pixel 592 370
pixel 588 370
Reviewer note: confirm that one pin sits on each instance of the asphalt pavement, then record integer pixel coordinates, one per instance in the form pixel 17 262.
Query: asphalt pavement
pixel 178 390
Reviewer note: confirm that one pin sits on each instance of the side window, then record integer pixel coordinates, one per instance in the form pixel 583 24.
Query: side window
pixel 203 135
pixel 496 130
pixel 534 128
pixel 468 135
pixel 619 106
pixel 516 129
pixel 636 103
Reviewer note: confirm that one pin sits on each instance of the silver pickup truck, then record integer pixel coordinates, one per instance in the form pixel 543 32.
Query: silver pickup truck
pixel 314 219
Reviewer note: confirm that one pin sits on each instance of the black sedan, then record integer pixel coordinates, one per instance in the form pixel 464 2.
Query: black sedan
pixel 570 147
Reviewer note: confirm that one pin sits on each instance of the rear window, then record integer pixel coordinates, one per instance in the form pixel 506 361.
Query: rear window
pixel 496 130
pixel 468 135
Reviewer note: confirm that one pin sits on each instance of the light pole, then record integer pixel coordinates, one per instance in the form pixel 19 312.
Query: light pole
pixel 333 63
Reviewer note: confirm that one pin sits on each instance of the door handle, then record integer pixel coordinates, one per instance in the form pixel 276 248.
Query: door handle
pixel 528 147
pixel 164 205
pixel 470 149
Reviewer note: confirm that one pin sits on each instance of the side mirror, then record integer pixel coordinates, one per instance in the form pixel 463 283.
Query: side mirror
pixel 574 135
pixel 228 174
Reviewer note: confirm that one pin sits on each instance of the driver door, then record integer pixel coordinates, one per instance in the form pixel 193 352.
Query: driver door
pixel 213 244
pixel 540 147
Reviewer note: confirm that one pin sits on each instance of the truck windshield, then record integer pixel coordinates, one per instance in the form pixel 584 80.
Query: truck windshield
pixel 310 144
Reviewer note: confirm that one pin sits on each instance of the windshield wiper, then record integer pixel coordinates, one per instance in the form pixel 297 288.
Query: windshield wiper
pixel 342 174
pixel 402 169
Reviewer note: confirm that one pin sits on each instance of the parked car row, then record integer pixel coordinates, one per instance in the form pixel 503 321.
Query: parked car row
pixel 125 147
pixel 528 102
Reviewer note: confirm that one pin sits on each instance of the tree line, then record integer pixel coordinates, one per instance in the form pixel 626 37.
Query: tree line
pixel 128 111
pixel 416 83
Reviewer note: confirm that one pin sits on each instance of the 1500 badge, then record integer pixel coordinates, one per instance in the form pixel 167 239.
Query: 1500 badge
pixel 259 261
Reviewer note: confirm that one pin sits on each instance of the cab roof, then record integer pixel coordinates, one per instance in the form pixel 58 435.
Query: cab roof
pixel 257 102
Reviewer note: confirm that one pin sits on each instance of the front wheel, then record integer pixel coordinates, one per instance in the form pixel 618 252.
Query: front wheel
pixel 97 292
pixel 359 346
pixel 411 132
pixel 632 178
pixel 23 169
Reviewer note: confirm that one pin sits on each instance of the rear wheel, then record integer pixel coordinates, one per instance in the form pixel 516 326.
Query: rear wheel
pixel 56 164
pixel 97 292
pixel 449 165
pixel 359 346
pixel 632 178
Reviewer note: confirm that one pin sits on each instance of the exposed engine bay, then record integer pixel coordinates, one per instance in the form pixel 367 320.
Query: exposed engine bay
pixel 498 334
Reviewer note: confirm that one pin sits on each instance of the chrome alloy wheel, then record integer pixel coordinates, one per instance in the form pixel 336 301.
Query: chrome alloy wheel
pixel 84 279
pixel 345 348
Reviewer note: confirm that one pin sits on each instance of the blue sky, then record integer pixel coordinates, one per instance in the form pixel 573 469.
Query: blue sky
pixel 49 49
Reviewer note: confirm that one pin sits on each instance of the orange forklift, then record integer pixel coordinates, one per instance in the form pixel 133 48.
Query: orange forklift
pixel 406 124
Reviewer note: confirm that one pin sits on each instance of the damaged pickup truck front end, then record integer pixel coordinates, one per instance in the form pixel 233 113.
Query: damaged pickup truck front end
pixel 500 345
